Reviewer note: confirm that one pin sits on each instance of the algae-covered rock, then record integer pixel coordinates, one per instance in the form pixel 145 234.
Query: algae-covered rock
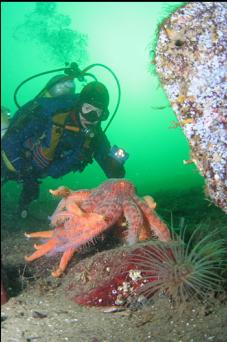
pixel 190 61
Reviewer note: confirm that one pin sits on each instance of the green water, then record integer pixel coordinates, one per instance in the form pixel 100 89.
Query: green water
pixel 120 36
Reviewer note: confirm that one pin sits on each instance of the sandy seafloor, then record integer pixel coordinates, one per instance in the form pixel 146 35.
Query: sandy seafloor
pixel 35 292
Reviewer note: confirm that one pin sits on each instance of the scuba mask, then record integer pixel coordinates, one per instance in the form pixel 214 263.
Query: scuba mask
pixel 94 95
pixel 90 113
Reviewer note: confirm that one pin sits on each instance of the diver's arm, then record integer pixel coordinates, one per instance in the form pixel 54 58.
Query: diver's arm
pixel 111 167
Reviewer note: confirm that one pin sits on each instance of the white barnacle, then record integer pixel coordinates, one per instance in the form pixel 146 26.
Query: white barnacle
pixel 135 275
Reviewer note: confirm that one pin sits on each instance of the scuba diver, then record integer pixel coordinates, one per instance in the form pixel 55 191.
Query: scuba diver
pixel 58 132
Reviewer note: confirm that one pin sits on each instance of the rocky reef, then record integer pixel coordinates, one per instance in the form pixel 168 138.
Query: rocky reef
pixel 190 62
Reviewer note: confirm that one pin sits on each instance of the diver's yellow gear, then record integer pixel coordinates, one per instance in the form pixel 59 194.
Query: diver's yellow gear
pixel 8 163
pixel 56 133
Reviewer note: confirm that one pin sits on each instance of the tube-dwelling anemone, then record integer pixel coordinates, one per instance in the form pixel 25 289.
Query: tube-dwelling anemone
pixel 180 270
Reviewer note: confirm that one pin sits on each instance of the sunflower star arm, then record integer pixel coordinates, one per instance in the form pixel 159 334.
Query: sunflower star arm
pixel 65 259
pixel 43 249
pixel 156 225
pixel 62 191
pixel 134 219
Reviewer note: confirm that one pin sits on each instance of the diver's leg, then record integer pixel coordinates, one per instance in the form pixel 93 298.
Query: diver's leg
pixel 30 192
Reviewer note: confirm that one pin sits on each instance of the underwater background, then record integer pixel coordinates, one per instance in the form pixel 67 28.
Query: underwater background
pixel 38 37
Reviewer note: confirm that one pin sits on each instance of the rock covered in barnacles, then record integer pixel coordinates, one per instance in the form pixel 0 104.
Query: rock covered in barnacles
pixel 120 287
pixel 4 296
pixel 190 61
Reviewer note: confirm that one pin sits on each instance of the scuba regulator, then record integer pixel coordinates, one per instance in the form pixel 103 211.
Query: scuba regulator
pixel 73 71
